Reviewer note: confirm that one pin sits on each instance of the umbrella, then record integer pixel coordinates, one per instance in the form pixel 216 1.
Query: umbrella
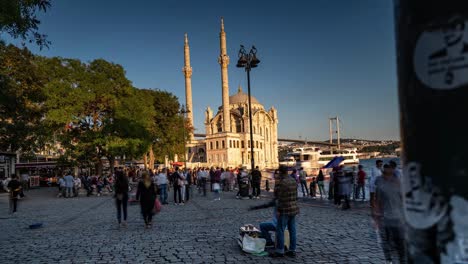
pixel 335 162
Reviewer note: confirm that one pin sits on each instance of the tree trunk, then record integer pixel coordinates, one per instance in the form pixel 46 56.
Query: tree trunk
pixel 151 158
pixel 98 166
pixel 111 163
pixel 145 161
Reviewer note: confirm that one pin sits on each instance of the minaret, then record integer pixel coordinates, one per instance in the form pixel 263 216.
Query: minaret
pixel 188 84
pixel 223 60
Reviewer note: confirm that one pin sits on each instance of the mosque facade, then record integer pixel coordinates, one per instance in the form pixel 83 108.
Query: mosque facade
pixel 227 134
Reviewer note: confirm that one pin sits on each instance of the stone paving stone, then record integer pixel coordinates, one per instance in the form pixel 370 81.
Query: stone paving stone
pixel 84 230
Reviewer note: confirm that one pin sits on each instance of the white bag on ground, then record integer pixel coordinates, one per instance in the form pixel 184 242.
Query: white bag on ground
pixel 252 244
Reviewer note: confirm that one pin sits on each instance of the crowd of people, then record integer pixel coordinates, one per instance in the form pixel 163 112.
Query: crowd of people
pixel 344 185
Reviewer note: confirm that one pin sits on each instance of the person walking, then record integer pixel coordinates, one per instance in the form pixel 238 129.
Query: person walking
pixel 188 184
pixel 338 172
pixel 69 183
pixel 313 187
pixel 256 180
pixel 121 197
pixel 61 186
pixel 161 182
pixel 212 175
pixel 331 184
pixel 396 172
pixel 286 197
pixel 14 187
pixel 76 186
pixel 177 181
pixel 146 194
pixel 375 172
pixel 361 183
pixel 25 181
pixel 320 183
pixel 344 188
pixel 388 215
pixel 303 182
pixel 217 184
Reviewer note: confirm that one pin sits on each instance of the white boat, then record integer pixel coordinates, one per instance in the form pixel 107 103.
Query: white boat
pixel 350 156
pixel 306 158
pixel 288 161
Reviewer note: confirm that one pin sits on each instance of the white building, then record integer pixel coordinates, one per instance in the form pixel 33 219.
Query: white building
pixel 227 142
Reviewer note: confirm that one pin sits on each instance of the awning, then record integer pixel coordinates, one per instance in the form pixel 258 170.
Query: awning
pixel 50 164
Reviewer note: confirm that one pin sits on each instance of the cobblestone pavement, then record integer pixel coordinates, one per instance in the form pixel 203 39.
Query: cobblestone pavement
pixel 84 230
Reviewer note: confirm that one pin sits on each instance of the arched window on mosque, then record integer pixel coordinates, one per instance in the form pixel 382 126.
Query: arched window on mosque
pixel 238 125
pixel 261 132
pixel 219 126
pixel 267 135
pixel 255 130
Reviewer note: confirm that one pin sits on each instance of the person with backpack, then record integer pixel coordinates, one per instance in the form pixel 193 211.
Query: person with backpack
pixel 303 182
pixel 177 181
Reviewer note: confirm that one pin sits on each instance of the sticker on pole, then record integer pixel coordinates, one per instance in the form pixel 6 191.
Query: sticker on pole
pixel 441 55
pixel 423 206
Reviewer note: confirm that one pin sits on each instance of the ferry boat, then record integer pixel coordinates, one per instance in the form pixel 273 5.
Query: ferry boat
pixel 306 158
pixel 350 156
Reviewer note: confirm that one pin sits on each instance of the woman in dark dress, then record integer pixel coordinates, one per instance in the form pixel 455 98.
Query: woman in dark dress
pixel 146 194
pixel 121 196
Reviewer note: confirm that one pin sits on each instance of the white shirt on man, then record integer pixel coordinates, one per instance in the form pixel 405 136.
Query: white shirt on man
pixel 375 172
pixel 161 178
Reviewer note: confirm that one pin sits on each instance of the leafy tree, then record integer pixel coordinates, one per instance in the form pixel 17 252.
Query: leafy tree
pixel 169 127
pixel 21 101
pixel 18 19
pixel 129 134
pixel 82 103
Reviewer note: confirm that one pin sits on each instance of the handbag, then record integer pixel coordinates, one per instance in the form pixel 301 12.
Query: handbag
pixel 157 206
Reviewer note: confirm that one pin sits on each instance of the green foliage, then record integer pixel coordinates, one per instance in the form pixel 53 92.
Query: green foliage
pixel 91 109
pixel 384 149
pixel 18 19
pixel 170 128
pixel 21 101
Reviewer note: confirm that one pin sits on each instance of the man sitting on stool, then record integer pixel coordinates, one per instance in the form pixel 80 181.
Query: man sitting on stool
pixel 266 227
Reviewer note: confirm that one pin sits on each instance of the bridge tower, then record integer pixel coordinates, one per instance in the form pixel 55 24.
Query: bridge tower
pixel 334 124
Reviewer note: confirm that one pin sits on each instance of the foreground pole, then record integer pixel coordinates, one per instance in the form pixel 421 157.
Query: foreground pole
pixel 432 55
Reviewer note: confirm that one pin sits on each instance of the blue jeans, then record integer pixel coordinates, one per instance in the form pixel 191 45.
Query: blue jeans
pixel 265 229
pixel 163 193
pixel 283 222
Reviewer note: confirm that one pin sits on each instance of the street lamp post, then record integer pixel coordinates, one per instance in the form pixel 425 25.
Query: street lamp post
pixel 249 61
pixel 183 111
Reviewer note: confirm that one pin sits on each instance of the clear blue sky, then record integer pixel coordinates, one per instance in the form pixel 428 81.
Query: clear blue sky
pixel 318 58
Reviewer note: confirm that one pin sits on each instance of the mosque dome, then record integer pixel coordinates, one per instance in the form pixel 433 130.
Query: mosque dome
pixel 241 97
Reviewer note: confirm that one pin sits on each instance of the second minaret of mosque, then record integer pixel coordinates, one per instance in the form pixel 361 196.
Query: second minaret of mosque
pixel 188 84
pixel 223 60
